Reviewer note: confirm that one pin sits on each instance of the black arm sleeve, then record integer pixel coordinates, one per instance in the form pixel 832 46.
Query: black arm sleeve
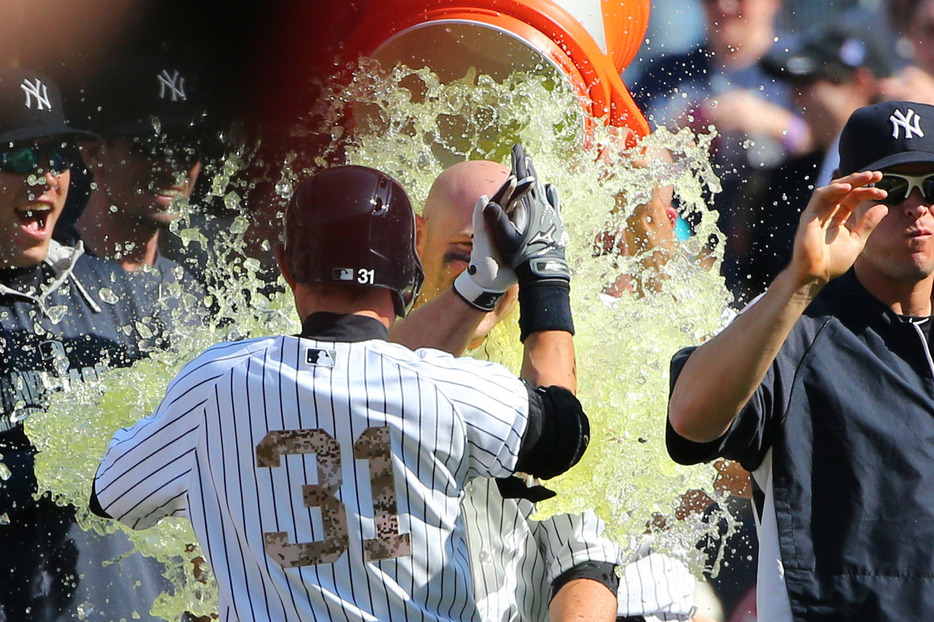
pixel 601 572
pixel 557 434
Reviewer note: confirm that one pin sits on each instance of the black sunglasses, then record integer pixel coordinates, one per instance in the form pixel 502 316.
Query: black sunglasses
pixel 23 159
pixel 899 186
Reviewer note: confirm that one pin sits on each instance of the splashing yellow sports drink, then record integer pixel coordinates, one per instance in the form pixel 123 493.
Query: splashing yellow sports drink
pixel 411 125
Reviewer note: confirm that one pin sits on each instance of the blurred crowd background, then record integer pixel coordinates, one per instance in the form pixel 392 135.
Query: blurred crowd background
pixel 776 80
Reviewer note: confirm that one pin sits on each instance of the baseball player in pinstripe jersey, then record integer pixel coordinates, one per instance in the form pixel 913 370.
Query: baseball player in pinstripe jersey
pixel 323 472
pixel 518 563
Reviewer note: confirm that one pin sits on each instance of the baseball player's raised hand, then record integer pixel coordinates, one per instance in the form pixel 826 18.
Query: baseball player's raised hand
pixel 512 190
pixel 835 226
pixel 530 232
pixel 530 235
pixel 488 275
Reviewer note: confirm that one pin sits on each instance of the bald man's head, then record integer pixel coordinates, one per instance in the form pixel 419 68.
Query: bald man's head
pixel 445 226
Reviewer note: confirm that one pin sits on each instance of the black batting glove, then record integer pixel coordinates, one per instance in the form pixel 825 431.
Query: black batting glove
pixel 530 235
pixel 529 231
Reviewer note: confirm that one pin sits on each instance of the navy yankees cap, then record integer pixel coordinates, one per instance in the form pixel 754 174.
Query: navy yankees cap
pixel 883 135
pixel 145 95
pixel 31 108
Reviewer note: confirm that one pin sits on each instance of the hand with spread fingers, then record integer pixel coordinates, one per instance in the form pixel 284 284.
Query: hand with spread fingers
pixel 835 226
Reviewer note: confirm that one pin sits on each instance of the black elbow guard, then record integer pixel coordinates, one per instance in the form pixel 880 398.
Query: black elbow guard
pixel 557 434
pixel 601 572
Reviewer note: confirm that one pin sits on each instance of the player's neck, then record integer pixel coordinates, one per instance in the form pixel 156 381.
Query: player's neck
pixel 382 319
pixel 903 297
pixel 375 303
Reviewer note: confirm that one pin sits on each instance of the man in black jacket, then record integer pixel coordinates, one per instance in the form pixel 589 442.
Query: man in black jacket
pixel 823 389
pixel 64 317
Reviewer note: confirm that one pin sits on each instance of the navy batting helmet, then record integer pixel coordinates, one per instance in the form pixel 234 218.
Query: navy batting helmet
pixel 353 225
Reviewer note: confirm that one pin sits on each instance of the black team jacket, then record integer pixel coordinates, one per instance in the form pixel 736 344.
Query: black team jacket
pixel 847 409
pixel 68 318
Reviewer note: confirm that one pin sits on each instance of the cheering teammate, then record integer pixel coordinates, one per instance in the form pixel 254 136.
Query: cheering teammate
pixel 323 472
pixel 519 563
pixel 64 317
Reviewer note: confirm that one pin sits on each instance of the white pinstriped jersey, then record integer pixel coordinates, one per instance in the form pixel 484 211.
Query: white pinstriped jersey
pixel 515 559
pixel 323 479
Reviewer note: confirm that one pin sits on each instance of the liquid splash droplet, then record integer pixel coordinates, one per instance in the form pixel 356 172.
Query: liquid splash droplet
pixel 56 313
pixel 107 295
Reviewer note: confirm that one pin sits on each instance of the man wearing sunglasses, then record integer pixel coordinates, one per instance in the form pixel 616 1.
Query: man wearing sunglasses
pixel 63 317
pixel 150 115
pixel 824 389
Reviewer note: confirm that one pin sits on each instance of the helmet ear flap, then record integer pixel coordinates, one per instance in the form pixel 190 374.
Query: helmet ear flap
pixel 353 226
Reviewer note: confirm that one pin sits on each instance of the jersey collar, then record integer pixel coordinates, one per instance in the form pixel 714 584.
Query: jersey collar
pixel 326 326
pixel 857 303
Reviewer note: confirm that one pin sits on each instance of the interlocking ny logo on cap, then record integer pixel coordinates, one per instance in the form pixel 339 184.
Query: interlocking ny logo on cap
pixel 172 84
pixel 37 91
pixel 911 123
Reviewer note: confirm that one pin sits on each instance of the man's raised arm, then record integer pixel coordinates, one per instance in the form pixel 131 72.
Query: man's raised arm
pixel 721 376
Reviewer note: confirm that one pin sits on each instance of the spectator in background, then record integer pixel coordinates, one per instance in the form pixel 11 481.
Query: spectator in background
pixel 921 33
pixel 915 81
pixel 888 22
pixel 832 72
pixel 721 83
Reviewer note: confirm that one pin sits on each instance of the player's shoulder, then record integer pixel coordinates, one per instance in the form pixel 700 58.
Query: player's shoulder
pixel 431 358
pixel 443 368
pixel 230 352
pixel 222 357
pixel 244 346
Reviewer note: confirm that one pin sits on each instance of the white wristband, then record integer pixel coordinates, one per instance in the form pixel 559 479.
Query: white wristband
pixel 473 294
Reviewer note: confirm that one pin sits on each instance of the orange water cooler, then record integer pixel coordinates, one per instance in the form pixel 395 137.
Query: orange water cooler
pixel 589 42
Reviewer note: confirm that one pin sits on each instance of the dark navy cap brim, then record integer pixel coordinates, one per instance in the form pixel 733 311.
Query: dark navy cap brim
pixel 905 157
pixel 165 122
pixel 46 131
